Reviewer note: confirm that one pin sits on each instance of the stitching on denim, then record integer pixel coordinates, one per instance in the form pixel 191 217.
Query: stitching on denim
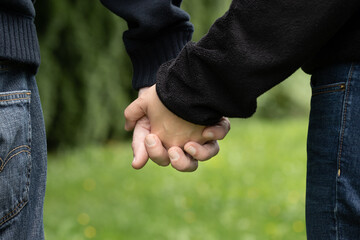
pixel 17 93
pixel 330 91
pixel 7 158
pixel 340 150
pixel 25 146
pixel 29 139
pixel 344 120
pixel 13 99
pixel 328 86
pixel 15 211
pixel 12 157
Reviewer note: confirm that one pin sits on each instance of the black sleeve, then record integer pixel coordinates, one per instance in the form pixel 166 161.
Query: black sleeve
pixel 158 30
pixel 253 47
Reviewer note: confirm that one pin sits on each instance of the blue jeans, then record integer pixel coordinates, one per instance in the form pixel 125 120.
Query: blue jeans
pixel 333 168
pixel 22 155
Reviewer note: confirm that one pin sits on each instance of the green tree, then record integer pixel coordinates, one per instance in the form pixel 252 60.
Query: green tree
pixel 84 78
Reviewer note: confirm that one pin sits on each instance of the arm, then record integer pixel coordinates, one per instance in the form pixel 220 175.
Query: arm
pixel 253 47
pixel 158 30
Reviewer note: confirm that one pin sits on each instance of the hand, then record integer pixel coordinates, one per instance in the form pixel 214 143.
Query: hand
pixel 185 162
pixel 172 130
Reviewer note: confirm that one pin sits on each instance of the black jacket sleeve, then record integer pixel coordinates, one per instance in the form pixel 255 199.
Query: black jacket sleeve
pixel 158 30
pixel 253 47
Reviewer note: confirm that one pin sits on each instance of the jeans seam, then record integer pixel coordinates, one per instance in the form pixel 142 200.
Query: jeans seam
pixel 343 122
pixel 342 132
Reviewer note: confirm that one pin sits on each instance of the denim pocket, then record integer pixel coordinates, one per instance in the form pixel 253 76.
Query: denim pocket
pixel 329 88
pixel 15 159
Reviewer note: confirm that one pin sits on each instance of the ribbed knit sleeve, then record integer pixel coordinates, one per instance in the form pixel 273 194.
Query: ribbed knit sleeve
pixel 158 30
pixel 18 39
pixel 254 46
pixel 148 56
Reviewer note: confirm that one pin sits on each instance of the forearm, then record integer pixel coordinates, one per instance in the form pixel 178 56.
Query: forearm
pixel 253 47
pixel 158 30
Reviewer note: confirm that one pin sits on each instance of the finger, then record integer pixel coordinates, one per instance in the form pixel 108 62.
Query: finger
pixel 202 152
pixel 133 113
pixel 141 130
pixel 218 131
pixel 181 161
pixel 156 150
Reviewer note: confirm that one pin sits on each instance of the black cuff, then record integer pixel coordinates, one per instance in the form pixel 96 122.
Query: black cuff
pixel 147 56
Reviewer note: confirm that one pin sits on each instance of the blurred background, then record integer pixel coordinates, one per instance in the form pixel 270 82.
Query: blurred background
pixel 254 188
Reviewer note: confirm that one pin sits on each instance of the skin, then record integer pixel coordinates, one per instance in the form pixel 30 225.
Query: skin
pixel 167 139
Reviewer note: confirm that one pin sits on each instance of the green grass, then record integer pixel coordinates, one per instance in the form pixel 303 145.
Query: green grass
pixel 254 189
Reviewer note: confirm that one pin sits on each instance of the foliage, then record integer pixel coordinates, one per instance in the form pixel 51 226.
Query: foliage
pixel 85 76
pixel 254 189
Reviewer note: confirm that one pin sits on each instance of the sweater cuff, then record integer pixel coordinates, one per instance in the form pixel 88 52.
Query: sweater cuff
pixel 147 57
pixel 18 41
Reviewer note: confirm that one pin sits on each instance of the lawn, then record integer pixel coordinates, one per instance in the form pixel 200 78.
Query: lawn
pixel 254 189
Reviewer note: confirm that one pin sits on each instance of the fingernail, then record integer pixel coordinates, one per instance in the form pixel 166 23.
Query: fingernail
pixel 209 135
pixel 191 150
pixel 150 141
pixel 174 156
pixel 134 159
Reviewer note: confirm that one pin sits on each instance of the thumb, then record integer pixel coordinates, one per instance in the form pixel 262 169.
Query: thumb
pixel 133 113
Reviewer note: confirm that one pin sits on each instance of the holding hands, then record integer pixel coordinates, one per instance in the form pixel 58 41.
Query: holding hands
pixel 167 139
